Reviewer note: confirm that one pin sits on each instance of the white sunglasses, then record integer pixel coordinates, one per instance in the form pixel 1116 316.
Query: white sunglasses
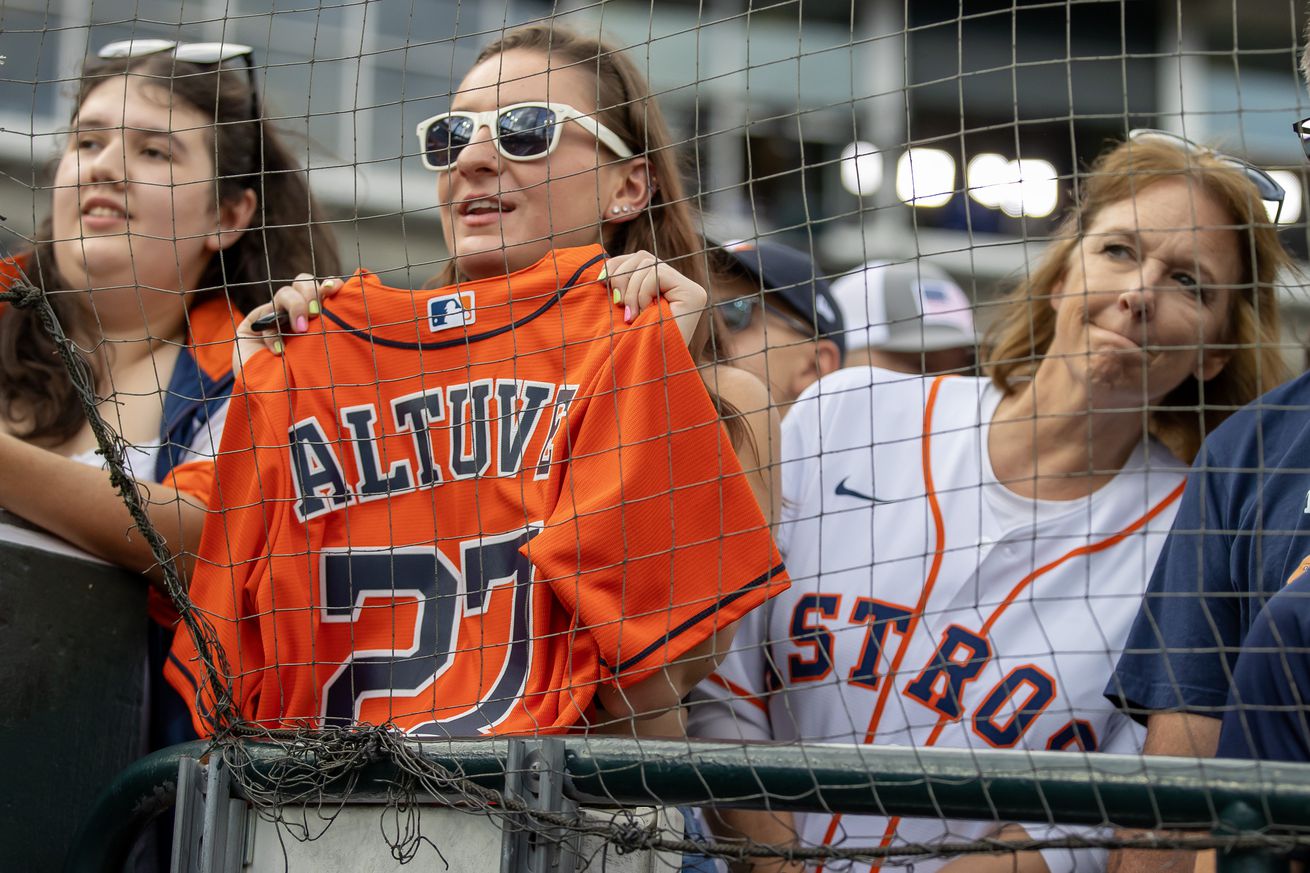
pixel 190 52
pixel 522 132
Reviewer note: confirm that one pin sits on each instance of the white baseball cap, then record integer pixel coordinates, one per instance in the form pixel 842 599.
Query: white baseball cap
pixel 904 307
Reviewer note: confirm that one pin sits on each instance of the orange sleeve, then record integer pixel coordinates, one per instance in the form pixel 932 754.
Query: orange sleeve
pixel 233 556
pixel 195 478
pixel 12 267
pixel 656 541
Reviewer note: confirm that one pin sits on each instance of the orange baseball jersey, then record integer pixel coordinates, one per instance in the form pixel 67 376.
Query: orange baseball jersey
pixel 457 511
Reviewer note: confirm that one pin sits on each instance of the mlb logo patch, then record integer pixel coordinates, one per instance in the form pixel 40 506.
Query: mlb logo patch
pixel 451 310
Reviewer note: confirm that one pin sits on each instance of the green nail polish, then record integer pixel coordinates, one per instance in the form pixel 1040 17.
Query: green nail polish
pixel 313 307
pixel 617 297
pixel 277 347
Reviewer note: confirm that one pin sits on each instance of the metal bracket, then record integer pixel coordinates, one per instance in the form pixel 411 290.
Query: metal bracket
pixel 1242 818
pixel 209 824
pixel 534 776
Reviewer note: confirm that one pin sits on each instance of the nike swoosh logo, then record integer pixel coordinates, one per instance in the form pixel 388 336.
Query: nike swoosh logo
pixel 843 491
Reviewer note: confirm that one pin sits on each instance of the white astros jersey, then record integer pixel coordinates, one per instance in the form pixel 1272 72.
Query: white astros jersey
pixel 931 606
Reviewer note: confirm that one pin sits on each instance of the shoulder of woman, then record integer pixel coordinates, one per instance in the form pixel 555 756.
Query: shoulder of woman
pixel 744 391
pixel 211 330
pixel 862 387
pixel 749 399
pixel 213 320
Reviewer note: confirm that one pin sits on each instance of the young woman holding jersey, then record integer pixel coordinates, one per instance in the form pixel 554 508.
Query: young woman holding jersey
pixel 552 146
pixel 162 231
pixel 562 174
pixel 972 552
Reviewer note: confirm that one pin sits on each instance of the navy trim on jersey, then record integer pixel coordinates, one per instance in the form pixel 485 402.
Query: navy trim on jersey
pixel 205 712
pixel 170 719
pixel 192 400
pixel 694 620
pixel 451 343
pixel 186 672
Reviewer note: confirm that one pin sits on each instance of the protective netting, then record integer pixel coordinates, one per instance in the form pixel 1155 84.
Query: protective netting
pixel 488 486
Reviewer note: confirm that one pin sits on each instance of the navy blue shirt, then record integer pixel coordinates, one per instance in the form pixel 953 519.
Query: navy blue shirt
pixel 1266 717
pixel 1242 531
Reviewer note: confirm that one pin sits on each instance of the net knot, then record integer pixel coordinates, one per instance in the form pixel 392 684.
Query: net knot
pixel 118 477
pixel 373 747
pixel 21 295
pixel 631 836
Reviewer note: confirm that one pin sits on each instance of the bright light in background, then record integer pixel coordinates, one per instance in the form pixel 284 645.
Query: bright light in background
pixel 987 176
pixel 1037 192
pixel 925 177
pixel 1024 187
pixel 861 168
pixel 1291 183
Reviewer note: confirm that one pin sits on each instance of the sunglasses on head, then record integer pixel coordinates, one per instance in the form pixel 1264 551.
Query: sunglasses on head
pixel 738 313
pixel 522 132
pixel 1270 190
pixel 216 53
pixel 1302 130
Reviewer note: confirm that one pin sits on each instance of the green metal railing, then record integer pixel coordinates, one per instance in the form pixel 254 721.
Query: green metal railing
pixel 1233 798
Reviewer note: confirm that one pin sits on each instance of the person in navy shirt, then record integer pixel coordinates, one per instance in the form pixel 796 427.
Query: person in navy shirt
pixel 1242 532
pixel 1228 578
pixel 1266 717
pixel 1266 713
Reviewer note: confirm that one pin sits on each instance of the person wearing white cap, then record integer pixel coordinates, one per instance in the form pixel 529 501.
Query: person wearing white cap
pixel 909 317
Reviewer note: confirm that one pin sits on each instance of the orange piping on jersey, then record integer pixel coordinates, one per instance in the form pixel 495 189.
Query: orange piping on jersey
pixel 939 548
pixel 1299 571
pixel 1082 550
pixel 1005 604
pixel 935 734
pixel 894 822
pixel 739 693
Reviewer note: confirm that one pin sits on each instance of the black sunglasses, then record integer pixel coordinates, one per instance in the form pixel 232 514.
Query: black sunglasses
pixel 1270 190
pixel 736 314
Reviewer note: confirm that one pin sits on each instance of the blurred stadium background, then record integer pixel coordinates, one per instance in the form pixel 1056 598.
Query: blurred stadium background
pixel 769 98
pixel 796 119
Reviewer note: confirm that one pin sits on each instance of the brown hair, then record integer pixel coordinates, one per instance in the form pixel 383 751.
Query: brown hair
pixel 283 238
pixel 1026 327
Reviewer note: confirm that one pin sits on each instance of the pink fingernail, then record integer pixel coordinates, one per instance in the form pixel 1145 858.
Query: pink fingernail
pixel 627 313
pixel 302 324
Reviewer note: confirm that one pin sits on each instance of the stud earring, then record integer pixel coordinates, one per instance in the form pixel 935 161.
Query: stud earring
pixel 614 209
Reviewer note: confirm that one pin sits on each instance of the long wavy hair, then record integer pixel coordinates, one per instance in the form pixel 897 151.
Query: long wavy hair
pixel 1023 333
pixel 284 238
